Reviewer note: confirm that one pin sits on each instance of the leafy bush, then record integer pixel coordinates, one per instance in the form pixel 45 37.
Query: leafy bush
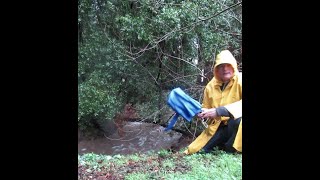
pixel 98 99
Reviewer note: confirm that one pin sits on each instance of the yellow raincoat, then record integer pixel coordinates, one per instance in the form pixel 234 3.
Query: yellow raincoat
pixel 230 98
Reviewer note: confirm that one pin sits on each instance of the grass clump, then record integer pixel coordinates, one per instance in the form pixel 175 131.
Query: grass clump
pixel 161 165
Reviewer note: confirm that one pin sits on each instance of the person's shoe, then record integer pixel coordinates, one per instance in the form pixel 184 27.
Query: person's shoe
pixel 186 152
pixel 229 149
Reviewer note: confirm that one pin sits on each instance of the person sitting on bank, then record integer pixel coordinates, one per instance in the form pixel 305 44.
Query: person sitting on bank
pixel 222 106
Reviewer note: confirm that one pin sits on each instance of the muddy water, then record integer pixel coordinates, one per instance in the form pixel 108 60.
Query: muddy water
pixel 136 137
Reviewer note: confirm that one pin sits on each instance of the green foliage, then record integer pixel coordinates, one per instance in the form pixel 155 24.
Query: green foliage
pixel 163 153
pixel 220 166
pixel 97 99
pixel 135 176
pixel 92 160
pixel 130 50
pixel 165 165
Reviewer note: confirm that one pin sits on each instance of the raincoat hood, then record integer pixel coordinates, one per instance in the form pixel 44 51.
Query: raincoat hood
pixel 225 56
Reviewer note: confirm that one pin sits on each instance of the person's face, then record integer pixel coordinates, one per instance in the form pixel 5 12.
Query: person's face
pixel 225 72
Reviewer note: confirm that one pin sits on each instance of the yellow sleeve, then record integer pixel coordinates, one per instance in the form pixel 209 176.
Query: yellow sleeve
pixel 205 101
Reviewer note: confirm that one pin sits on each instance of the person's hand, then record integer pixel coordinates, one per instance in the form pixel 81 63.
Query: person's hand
pixel 200 113
pixel 208 113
